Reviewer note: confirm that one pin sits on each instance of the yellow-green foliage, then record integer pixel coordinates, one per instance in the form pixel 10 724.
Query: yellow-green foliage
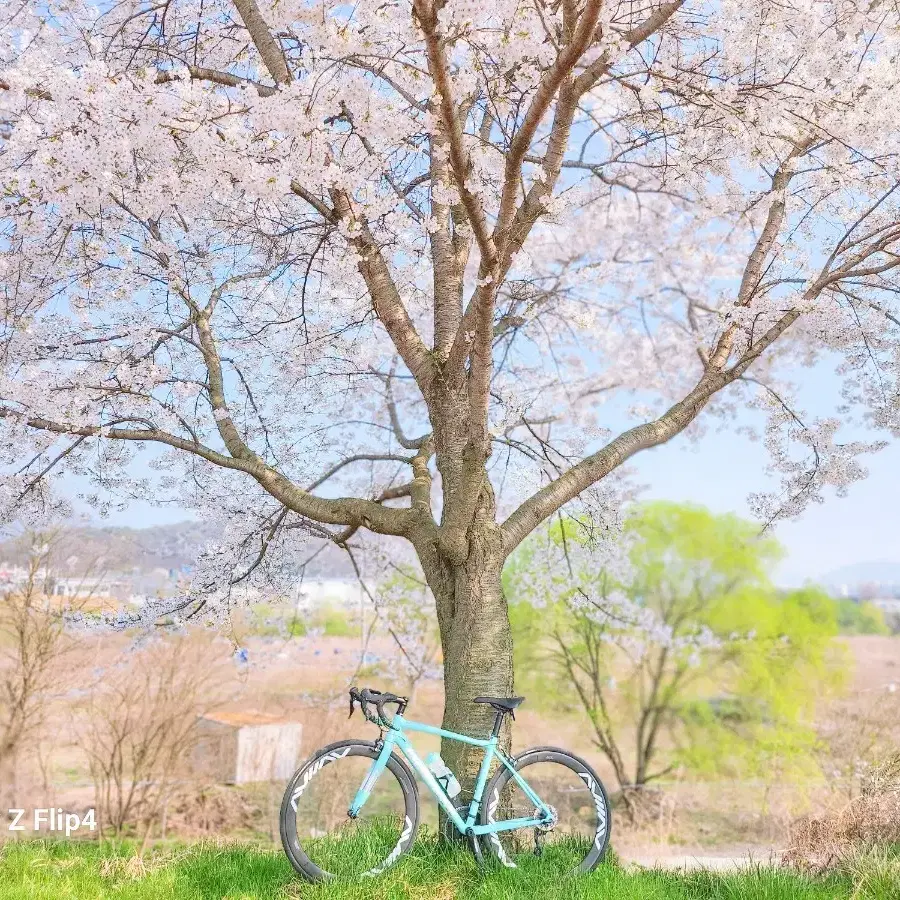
pixel 860 618
pixel 744 703
pixel 767 687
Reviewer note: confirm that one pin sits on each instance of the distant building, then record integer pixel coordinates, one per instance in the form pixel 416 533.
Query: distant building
pixel 246 747
pixel 344 592
pixel 92 588
pixel 890 605
pixel 870 591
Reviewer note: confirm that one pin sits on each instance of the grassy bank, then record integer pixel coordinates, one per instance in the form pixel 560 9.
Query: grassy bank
pixel 84 871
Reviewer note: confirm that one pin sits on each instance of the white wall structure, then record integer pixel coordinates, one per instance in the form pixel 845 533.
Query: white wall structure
pixel 247 747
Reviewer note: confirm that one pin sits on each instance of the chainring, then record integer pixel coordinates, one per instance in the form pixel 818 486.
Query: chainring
pixel 448 829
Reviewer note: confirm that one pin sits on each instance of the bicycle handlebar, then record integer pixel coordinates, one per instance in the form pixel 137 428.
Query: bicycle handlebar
pixel 378 698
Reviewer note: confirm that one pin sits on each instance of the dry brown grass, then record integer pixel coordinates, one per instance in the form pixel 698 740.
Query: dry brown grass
pixel 203 811
pixel 869 821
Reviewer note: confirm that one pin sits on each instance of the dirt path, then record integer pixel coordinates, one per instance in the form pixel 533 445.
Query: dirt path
pixel 688 862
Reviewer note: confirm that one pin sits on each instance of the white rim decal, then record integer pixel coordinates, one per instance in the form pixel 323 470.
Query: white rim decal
pixel 495 838
pixel 395 853
pixel 600 804
pixel 314 770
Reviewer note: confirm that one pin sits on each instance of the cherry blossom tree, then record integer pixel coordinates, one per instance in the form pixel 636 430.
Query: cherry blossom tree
pixel 381 268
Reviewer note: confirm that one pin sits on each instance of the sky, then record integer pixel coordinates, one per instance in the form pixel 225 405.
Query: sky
pixel 720 471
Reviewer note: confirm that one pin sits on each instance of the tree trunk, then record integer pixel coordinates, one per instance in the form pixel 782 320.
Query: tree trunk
pixel 476 643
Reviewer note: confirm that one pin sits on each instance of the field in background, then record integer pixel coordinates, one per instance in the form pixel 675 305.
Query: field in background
pixel 304 679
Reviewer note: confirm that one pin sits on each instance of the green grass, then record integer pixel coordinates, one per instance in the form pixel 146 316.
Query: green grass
pixel 274 621
pixel 42 870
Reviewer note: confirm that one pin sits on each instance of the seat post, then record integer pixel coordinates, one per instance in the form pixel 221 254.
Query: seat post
pixel 498 722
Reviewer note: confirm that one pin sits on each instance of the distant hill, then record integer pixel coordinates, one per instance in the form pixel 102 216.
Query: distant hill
pixel 82 549
pixel 117 549
pixel 876 572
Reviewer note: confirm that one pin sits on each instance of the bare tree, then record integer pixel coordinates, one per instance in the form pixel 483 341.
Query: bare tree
pixel 33 643
pixel 139 724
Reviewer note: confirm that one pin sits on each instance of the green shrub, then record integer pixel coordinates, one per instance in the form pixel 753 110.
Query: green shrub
pixel 860 618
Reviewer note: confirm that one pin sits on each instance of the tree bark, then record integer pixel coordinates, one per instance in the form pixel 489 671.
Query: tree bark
pixel 476 640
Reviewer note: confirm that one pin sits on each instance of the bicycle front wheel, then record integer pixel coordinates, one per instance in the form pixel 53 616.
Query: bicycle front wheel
pixel 318 835
pixel 578 835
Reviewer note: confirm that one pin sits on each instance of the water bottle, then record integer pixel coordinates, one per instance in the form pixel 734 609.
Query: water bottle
pixel 445 778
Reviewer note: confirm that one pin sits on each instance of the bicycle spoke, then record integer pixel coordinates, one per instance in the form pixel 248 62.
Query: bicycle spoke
pixel 574 834
pixel 319 832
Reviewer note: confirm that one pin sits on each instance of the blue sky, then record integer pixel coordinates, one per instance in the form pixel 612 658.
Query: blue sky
pixel 720 471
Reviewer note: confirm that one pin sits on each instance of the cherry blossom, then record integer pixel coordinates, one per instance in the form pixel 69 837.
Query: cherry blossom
pixel 435 271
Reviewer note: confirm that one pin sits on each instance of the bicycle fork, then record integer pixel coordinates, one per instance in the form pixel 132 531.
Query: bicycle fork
pixel 365 789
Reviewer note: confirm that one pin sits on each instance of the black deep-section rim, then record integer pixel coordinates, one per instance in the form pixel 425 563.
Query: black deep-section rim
pixel 592 781
pixel 302 864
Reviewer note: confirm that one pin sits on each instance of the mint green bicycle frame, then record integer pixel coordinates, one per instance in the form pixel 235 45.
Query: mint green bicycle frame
pixel 395 737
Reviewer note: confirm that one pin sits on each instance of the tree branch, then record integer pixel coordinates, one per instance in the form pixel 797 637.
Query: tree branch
pixel 350 511
pixel 358 457
pixel 542 504
pixel 198 73
pixel 636 36
pixel 550 83
pixel 426 14
pixel 266 44
pixel 386 298
pixel 514 225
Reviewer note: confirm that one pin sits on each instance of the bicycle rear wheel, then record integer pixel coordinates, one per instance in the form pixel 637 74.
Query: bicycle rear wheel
pixel 577 838
pixel 319 837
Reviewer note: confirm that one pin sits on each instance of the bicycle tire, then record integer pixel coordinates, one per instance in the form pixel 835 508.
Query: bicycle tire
pixel 593 786
pixel 299 858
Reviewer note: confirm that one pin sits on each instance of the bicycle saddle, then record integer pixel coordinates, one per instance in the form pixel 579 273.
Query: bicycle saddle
pixel 504 704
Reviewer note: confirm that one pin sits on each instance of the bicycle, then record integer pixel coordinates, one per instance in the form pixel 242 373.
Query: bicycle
pixel 352 809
